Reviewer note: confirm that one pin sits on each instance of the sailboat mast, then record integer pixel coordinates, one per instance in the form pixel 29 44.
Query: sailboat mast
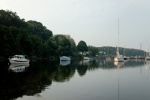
pixel 118 38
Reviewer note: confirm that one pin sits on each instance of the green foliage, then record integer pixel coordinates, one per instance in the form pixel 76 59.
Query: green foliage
pixel 73 45
pixel 39 29
pixel 93 50
pixel 9 18
pixel 20 37
pixel 82 46
pixel 63 45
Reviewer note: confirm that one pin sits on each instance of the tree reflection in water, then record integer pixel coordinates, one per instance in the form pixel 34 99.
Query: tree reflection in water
pixel 41 74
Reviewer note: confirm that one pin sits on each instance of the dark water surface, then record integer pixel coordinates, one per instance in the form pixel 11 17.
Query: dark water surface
pixel 76 80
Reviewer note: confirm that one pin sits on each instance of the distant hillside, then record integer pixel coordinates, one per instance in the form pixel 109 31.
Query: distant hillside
pixel 107 50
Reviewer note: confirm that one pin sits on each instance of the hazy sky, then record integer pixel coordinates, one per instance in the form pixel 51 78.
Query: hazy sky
pixel 93 21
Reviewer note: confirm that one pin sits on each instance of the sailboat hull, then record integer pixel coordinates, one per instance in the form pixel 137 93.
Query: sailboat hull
pixel 116 59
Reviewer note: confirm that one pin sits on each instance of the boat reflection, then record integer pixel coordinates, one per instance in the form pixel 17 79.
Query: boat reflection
pixel 85 62
pixel 119 64
pixel 65 63
pixel 18 67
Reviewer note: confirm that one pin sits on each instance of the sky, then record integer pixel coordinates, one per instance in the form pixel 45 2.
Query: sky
pixel 93 21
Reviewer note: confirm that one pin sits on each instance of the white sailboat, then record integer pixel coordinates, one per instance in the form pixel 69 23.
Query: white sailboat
pixel 118 57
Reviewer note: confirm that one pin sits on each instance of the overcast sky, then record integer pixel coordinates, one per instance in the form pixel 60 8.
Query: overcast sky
pixel 93 21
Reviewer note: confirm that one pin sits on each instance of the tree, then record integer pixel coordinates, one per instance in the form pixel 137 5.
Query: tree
pixel 9 18
pixel 73 45
pixel 38 28
pixel 93 50
pixel 29 38
pixel 82 46
pixel 52 46
pixel 63 45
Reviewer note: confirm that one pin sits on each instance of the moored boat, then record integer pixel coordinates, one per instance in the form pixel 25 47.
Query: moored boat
pixel 118 57
pixel 65 58
pixel 86 58
pixel 19 59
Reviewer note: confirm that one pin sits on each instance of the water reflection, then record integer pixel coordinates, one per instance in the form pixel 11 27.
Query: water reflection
pixel 29 83
pixel 119 64
pixel 65 63
pixel 41 75
pixel 18 67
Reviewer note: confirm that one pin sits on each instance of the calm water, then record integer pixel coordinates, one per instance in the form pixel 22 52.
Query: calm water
pixel 76 80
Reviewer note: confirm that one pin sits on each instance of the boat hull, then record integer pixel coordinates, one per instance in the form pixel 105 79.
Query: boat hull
pixel 86 58
pixel 19 61
pixel 116 59
pixel 64 58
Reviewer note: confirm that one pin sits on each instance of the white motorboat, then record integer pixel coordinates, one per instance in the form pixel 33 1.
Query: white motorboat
pixel 19 59
pixel 86 58
pixel 65 58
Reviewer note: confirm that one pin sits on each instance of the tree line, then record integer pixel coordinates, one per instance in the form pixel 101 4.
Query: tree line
pixel 32 38
pixel 108 50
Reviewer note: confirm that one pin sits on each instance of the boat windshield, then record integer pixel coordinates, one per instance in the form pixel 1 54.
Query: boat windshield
pixel 19 56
